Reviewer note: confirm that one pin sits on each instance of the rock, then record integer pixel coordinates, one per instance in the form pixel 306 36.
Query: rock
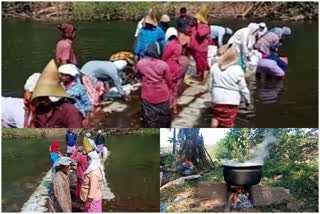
pixel 215 192
pixel 298 18
pixel 266 196
pixel 292 206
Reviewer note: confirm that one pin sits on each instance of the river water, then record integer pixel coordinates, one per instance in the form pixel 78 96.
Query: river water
pixel 29 45
pixel 132 171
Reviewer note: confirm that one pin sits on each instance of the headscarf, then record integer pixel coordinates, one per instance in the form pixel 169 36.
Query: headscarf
pixel 253 27
pixel 171 32
pixel 54 148
pixel 228 31
pixel 62 161
pixel 69 69
pixel 94 164
pixel 120 64
pixel 286 31
pixel 67 30
pixel 32 82
pixel 202 15
pixel 154 50
pixel 228 56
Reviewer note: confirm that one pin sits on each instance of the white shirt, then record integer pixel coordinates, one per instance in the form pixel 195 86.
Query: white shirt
pixel 12 112
pixel 227 87
pixel 243 41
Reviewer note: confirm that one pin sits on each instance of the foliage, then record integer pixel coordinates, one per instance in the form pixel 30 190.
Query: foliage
pixel 114 10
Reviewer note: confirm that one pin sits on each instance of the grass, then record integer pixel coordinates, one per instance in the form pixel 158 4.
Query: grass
pixel 300 178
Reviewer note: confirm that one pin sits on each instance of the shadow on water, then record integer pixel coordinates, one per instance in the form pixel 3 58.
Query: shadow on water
pixel 132 171
pixel 295 107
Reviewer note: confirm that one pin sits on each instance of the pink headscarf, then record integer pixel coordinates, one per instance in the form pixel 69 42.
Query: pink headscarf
pixel 67 30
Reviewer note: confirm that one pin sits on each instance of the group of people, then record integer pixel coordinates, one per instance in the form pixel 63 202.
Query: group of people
pixel 86 163
pixel 221 66
pixel 64 95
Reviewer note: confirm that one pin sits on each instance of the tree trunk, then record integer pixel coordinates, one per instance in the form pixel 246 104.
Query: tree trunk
pixel 174 141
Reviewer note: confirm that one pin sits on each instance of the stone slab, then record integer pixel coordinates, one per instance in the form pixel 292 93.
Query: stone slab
pixel 266 196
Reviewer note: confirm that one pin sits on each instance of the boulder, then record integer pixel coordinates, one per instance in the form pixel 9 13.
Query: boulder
pixel 266 196
pixel 215 192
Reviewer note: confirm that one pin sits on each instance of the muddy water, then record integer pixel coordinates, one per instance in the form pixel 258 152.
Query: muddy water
pixel 290 103
pixel 132 171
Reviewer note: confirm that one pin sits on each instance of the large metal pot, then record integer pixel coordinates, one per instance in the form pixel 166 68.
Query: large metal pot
pixel 245 176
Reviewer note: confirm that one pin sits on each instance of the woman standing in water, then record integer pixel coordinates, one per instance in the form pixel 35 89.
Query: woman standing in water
pixel 227 85
pixel 91 189
pixel 60 197
pixel 156 83
pixel 64 49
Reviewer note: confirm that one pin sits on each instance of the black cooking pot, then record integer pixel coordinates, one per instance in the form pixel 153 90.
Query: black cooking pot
pixel 245 176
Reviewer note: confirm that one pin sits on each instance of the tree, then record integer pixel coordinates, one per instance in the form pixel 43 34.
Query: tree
pixel 193 149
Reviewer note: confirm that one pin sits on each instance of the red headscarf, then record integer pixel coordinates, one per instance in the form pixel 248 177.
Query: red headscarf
pixel 54 148
pixel 67 30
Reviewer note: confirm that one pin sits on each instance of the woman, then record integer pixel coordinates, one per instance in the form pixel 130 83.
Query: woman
pixel 155 85
pixel 64 49
pixel 70 81
pixel 52 103
pixel 91 189
pixel 148 34
pixel 164 22
pixel 60 197
pixel 82 165
pixel 227 86
pixel 171 55
pixel 55 154
pixel 243 41
pixel 29 108
pixel 199 33
pixel 97 76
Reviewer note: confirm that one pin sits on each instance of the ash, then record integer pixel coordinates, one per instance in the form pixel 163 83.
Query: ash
pixel 242 202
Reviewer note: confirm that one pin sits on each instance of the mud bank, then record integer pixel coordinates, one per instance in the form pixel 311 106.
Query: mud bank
pixel 57 11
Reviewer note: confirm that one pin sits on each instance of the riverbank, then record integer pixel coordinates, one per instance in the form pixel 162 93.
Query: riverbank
pixel 60 132
pixel 68 11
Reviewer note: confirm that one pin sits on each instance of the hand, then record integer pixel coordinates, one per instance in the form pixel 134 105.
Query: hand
pixel 85 123
pixel 80 148
pixel 127 98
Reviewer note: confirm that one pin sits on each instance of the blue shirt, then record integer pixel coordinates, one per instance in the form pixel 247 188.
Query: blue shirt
pixel 71 139
pixel 217 32
pixel 146 37
pixel 53 157
pixel 79 93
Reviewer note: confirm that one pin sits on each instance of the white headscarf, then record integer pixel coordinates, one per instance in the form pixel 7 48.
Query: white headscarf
pixel 32 82
pixel 94 164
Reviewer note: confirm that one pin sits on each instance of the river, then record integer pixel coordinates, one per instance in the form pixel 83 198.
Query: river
pixel 29 45
pixel 132 171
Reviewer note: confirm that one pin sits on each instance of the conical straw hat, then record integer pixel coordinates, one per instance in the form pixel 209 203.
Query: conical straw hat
pixel 49 83
pixel 202 15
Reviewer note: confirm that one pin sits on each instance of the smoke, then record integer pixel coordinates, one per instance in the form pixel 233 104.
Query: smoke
pixel 258 153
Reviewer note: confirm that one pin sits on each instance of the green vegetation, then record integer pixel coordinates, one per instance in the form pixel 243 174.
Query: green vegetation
pixel 36 133
pixel 135 10
pixel 292 164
